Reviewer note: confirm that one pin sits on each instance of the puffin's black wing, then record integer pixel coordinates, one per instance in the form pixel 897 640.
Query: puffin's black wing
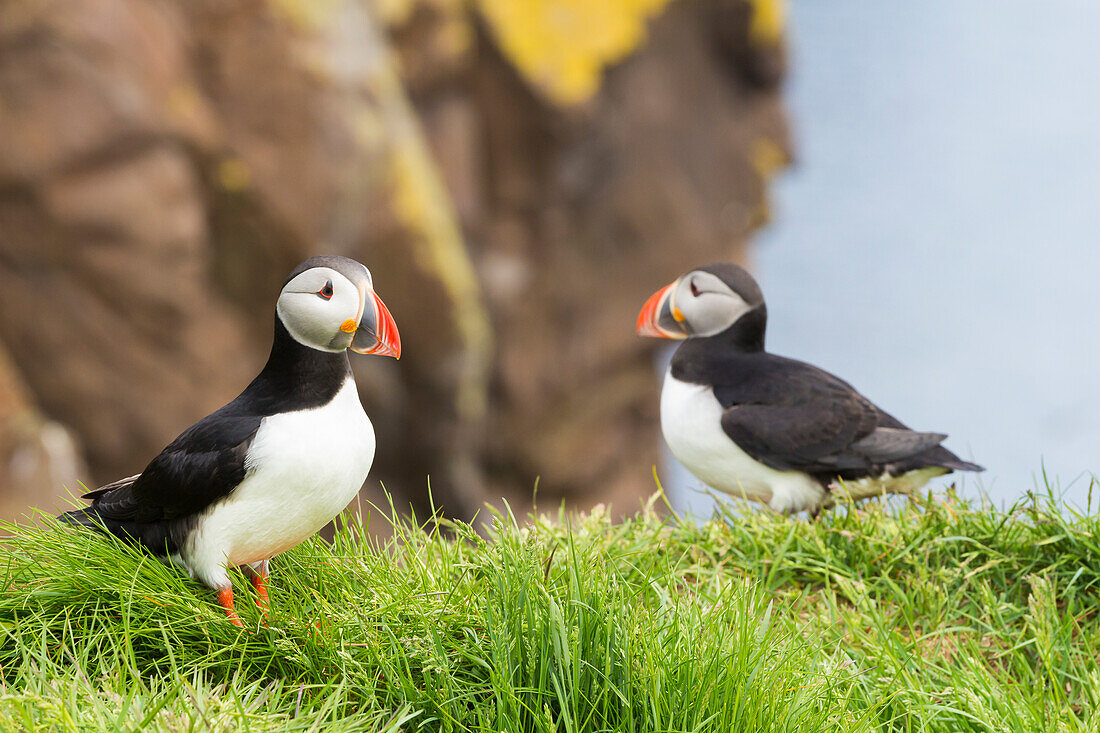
pixel 198 468
pixel 790 415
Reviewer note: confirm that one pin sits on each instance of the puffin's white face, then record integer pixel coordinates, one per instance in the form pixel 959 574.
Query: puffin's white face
pixel 706 304
pixel 328 310
pixel 698 304
pixel 316 304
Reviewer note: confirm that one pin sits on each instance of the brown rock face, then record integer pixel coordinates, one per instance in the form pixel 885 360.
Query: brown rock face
pixel 108 310
pixel 576 216
pixel 164 164
pixel 40 463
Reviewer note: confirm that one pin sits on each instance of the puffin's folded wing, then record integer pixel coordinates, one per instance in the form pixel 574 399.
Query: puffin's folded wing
pixel 795 438
pixel 793 416
pixel 885 445
pixel 204 464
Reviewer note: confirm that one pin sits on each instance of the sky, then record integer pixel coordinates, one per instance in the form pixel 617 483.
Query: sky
pixel 937 241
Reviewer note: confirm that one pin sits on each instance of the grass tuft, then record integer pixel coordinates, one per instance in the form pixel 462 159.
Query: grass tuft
pixel 935 616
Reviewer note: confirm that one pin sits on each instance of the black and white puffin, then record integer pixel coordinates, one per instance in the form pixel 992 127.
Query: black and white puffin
pixel 764 427
pixel 276 464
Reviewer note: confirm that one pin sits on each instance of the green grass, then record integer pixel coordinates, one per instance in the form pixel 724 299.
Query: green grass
pixel 936 616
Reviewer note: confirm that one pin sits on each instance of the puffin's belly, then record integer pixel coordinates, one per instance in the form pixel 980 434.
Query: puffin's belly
pixel 304 468
pixel 691 420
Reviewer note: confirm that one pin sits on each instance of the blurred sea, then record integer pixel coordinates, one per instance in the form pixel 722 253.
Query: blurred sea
pixel 937 243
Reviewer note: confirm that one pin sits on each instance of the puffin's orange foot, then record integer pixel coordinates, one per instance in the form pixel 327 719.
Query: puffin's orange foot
pixel 225 598
pixel 259 582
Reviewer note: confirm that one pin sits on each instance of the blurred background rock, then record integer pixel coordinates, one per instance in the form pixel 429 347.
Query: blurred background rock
pixel 519 175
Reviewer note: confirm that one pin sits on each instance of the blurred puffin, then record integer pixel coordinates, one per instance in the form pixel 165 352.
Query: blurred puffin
pixel 766 428
pixel 276 464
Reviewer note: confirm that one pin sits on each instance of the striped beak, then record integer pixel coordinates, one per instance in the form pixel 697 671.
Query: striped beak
pixel 377 331
pixel 658 315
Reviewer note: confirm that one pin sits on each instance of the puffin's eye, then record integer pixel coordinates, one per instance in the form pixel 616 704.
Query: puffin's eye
pixel 326 292
pixel 694 290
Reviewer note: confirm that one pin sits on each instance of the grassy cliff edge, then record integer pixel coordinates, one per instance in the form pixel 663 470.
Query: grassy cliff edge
pixel 938 615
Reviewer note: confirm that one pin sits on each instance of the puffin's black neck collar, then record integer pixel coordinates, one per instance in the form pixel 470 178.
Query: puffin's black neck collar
pixel 706 360
pixel 296 377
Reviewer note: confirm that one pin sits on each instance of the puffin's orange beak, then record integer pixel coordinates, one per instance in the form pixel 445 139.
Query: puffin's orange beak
pixel 658 316
pixel 377 331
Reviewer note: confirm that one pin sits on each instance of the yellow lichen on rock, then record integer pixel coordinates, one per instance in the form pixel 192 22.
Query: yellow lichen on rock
pixel 562 46
pixel 306 14
pixel 421 204
pixel 234 174
pixel 767 21
pixel 767 156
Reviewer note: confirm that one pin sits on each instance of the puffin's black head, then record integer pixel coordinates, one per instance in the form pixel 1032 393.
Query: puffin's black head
pixel 328 303
pixel 705 302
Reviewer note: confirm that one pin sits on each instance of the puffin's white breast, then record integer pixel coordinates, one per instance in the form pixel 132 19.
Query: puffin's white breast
pixel 691 420
pixel 304 467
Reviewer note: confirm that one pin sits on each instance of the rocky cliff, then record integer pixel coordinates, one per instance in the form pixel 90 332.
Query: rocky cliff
pixel 518 175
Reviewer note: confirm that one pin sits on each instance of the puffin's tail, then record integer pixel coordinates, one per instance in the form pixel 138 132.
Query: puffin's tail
pixel 958 464
pixel 935 456
pixel 92 519
pixel 156 537
pixel 88 517
pixel 940 456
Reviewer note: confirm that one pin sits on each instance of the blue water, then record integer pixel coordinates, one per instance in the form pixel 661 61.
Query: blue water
pixel 937 243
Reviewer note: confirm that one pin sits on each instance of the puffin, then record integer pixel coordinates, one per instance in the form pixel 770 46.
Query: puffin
pixel 271 468
pixel 770 429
